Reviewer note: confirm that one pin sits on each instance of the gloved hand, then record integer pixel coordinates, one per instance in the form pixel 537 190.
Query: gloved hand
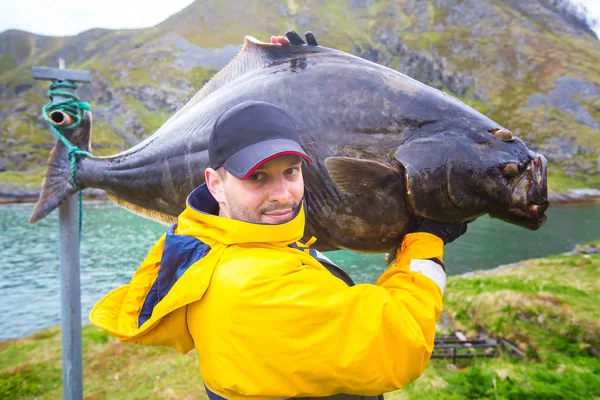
pixel 446 231
pixel 294 38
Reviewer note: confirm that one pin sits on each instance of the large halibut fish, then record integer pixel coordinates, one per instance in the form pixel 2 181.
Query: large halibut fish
pixel 387 150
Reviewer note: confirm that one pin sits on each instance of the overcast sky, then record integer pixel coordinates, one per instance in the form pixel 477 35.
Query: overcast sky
pixel 70 17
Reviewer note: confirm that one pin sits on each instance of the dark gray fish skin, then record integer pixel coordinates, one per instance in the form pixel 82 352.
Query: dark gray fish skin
pixel 446 163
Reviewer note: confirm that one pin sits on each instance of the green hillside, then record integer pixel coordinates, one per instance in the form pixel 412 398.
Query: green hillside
pixel 530 65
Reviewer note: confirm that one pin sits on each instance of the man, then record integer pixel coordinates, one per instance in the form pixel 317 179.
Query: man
pixel 269 317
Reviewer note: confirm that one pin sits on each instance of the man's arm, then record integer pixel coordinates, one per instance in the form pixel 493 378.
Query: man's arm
pixel 305 333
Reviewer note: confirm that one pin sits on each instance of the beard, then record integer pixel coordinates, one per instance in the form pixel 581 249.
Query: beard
pixel 242 212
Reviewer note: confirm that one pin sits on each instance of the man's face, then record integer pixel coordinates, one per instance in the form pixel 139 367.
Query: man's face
pixel 271 195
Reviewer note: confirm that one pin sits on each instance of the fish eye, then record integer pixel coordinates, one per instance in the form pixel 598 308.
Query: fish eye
pixel 503 134
pixel 510 170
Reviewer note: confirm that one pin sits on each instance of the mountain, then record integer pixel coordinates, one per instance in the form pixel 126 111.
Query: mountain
pixel 530 65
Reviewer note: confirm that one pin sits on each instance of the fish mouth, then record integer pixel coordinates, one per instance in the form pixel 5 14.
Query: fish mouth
pixel 532 217
pixel 529 197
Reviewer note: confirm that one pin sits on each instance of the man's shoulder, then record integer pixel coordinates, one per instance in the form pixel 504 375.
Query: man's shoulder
pixel 240 263
pixel 243 266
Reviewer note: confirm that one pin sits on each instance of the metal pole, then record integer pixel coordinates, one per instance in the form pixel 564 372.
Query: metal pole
pixel 70 299
pixel 70 291
pixel 70 296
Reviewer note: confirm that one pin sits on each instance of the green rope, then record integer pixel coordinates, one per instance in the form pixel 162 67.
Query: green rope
pixel 71 105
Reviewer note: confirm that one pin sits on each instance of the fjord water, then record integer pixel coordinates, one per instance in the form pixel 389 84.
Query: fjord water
pixel 115 241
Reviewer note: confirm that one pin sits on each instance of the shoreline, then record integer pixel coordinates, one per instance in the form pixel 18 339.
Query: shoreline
pixel 570 197
pixel 19 196
pixel 583 250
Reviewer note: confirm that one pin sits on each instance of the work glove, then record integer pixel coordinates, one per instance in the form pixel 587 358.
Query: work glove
pixel 446 231
pixel 294 38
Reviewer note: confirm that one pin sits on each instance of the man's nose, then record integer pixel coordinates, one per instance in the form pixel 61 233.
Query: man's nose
pixel 280 191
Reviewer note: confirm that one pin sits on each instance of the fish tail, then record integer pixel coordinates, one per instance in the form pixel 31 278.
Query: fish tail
pixel 58 184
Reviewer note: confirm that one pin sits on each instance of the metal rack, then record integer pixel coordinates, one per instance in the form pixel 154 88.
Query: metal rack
pixel 459 347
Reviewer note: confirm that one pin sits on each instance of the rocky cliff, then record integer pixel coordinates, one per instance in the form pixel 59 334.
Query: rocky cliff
pixel 531 65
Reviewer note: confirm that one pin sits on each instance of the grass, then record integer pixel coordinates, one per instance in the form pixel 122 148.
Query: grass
pixel 151 120
pixel 31 368
pixel 199 76
pixel 425 40
pixel 505 379
pixel 28 179
pixel 105 141
pixel 561 291
pixel 558 181
pixel 31 380
pixel 6 63
pixel 547 307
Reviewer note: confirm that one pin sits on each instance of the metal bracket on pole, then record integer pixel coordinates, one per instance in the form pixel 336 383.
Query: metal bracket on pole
pixel 70 290
pixel 60 74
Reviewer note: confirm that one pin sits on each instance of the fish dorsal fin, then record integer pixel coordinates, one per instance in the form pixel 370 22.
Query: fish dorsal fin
pixel 253 55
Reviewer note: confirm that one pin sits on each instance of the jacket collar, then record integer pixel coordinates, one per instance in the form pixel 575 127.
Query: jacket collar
pixel 201 219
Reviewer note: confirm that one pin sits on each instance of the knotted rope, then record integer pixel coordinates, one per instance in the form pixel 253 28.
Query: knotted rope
pixel 72 106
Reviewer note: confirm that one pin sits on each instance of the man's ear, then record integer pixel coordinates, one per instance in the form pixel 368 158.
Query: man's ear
pixel 214 182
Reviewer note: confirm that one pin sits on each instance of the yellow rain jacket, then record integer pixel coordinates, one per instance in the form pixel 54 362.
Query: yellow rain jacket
pixel 268 319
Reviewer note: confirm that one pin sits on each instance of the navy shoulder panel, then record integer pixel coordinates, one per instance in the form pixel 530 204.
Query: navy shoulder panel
pixel 180 253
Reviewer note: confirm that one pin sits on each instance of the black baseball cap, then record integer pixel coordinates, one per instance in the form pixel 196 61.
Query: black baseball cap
pixel 250 134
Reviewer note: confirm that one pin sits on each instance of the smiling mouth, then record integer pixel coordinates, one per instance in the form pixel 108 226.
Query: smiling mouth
pixel 280 215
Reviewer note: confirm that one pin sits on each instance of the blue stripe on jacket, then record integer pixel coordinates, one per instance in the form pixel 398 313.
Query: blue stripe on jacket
pixel 180 253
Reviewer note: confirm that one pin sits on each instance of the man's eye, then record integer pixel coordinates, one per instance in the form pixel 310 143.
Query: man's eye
pixel 292 171
pixel 257 176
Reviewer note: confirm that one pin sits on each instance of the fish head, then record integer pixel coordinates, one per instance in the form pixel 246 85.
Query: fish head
pixel 528 194
pixel 457 176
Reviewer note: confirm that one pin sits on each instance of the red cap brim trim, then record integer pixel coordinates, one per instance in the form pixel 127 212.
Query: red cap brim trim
pixel 283 153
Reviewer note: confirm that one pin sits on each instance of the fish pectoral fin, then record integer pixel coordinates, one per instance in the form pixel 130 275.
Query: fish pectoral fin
pixel 357 176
